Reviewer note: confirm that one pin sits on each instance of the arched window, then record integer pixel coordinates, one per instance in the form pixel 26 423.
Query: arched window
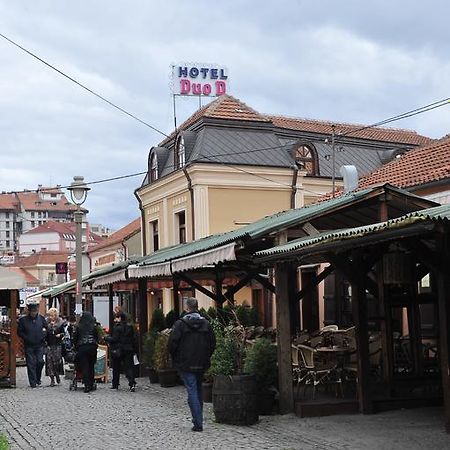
pixel 153 167
pixel 180 153
pixel 305 158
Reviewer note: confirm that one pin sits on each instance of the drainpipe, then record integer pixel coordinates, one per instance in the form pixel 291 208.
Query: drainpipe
pixel 294 186
pixel 143 234
pixel 191 190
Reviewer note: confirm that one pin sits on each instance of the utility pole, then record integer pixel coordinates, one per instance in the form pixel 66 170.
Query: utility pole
pixel 333 158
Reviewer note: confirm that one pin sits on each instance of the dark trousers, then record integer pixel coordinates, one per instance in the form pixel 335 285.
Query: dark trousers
pixel 34 357
pixel 125 361
pixel 85 361
pixel 193 383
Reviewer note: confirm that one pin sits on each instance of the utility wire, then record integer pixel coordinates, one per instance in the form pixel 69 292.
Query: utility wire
pixel 83 86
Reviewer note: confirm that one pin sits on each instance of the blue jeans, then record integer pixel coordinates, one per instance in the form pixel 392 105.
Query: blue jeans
pixel 193 384
pixel 34 357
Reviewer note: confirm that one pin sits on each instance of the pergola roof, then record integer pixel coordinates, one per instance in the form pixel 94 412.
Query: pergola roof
pixel 292 249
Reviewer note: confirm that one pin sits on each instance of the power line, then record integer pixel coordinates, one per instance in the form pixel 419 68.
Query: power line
pixel 83 86
pixel 413 112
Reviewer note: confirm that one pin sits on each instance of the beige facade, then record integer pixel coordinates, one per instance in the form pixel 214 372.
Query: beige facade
pixel 224 199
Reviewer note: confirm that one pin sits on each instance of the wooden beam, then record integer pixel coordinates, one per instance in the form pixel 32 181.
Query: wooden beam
pixel 195 285
pixel 143 314
pixel 359 306
pixel 283 326
pixel 443 283
pixel 239 285
pixel 110 308
pixel 318 279
pixel 266 283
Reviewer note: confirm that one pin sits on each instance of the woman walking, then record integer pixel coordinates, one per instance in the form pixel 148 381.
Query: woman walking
pixel 53 355
pixel 122 344
pixel 85 340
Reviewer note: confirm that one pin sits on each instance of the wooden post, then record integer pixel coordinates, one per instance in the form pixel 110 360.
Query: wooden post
pixel 359 306
pixel 14 299
pixel 283 326
pixel 143 314
pixel 443 283
pixel 176 294
pixel 110 308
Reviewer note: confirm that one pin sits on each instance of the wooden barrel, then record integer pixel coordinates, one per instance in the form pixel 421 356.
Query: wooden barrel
pixel 234 399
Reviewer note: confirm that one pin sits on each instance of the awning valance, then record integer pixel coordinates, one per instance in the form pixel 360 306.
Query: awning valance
pixel 207 258
pixel 119 275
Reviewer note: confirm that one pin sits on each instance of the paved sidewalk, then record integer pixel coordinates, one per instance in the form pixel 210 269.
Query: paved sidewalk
pixel 158 418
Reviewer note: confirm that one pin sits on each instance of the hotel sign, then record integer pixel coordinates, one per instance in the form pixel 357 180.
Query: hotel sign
pixel 200 79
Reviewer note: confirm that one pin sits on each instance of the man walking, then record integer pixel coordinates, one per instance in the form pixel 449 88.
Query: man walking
pixel 32 329
pixel 191 344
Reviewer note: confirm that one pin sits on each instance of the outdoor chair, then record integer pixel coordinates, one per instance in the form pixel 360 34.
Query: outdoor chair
pixel 317 371
pixel 297 364
pixel 328 328
pixel 316 341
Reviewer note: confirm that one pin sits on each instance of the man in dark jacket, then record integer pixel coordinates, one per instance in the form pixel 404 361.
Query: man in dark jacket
pixel 32 329
pixel 191 344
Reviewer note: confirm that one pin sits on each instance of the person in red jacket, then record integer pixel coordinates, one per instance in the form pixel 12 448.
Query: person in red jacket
pixel 191 344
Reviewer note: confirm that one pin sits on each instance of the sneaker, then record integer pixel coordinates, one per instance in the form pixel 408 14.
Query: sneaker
pixel 194 428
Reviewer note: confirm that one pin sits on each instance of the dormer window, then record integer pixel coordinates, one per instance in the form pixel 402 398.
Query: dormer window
pixel 153 167
pixel 305 158
pixel 180 154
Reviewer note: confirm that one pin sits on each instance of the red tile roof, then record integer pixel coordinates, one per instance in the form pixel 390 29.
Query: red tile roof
pixel 228 107
pixel 44 257
pixel 224 107
pixel 120 235
pixel 30 279
pixel 58 227
pixel 8 201
pixel 31 202
pixel 414 168
pixel 376 134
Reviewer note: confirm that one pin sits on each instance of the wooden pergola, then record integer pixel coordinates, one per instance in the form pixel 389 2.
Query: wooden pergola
pixel 419 244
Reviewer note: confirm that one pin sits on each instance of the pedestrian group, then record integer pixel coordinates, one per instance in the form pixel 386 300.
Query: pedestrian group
pixel 191 344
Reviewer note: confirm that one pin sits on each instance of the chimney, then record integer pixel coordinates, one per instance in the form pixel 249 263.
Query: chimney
pixel 350 175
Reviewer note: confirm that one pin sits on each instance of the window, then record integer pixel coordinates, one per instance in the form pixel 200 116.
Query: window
pixel 180 153
pixel 7 224
pixel 32 224
pixel 155 234
pixel 32 214
pixel 180 224
pixel 305 159
pixel 53 195
pixel 39 215
pixel 7 234
pixel 153 167
pixel 7 244
pixel 7 215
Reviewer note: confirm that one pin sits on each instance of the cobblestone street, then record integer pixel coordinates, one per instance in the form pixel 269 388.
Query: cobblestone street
pixel 158 418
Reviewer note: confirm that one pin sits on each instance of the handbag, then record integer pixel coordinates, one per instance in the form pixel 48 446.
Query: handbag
pixel 116 353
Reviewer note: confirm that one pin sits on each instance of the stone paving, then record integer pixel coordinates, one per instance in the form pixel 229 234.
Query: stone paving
pixel 158 418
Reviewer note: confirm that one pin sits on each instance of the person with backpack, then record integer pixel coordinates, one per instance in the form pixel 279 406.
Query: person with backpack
pixel 191 345
pixel 122 344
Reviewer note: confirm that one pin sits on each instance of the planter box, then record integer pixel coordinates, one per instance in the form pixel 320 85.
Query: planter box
pixel 168 377
pixel 207 392
pixel 234 399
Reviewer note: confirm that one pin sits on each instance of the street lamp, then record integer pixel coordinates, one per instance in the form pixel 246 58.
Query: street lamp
pixel 78 193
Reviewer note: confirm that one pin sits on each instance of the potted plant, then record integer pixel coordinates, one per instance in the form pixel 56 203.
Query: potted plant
pixel 158 322
pixel 167 375
pixel 171 317
pixel 261 361
pixel 234 393
pixel 148 351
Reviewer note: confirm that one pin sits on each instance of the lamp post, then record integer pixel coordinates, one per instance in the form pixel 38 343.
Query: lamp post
pixel 78 193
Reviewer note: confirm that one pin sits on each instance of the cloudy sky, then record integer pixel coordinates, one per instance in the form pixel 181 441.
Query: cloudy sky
pixel 346 61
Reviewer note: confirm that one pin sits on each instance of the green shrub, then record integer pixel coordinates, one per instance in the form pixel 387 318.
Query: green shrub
pixel 261 360
pixel 157 323
pixel 162 357
pixel 211 313
pixel 3 442
pixel 171 317
pixel 148 349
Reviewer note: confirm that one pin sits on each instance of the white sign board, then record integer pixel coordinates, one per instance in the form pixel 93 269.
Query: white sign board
pixel 24 293
pixel 195 79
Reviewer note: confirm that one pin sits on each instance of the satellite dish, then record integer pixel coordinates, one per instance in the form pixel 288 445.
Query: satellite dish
pixel 350 175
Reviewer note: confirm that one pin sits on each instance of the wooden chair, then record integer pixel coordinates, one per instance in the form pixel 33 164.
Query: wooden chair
pixel 317 372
